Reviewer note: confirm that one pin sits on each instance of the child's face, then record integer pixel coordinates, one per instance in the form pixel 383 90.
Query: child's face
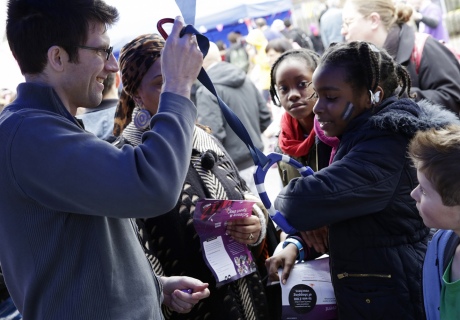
pixel 429 204
pixel 337 102
pixel 292 80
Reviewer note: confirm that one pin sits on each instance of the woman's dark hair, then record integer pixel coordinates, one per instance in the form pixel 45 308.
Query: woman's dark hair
pixel 310 57
pixel 33 26
pixel 279 45
pixel 368 67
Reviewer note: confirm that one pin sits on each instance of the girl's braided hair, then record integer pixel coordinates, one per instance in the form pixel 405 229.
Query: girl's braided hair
pixel 368 67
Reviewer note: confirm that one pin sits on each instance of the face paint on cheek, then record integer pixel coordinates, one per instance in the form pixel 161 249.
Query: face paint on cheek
pixel 346 115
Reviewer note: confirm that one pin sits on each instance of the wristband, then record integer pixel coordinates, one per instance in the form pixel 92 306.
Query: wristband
pixel 299 246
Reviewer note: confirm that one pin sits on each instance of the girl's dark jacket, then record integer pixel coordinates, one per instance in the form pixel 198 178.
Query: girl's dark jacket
pixel 377 240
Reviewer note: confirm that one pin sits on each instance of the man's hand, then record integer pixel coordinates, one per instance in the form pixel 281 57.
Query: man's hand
pixel 181 61
pixel 176 296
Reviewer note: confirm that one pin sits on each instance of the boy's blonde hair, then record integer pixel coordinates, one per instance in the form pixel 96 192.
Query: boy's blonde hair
pixel 436 153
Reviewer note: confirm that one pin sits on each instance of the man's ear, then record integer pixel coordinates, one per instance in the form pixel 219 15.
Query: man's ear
pixel 56 57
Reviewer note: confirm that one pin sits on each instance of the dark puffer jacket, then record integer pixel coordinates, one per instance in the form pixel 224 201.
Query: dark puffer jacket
pixel 377 239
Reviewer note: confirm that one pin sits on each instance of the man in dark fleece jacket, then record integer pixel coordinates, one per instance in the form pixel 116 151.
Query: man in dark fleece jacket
pixel 242 96
pixel 69 247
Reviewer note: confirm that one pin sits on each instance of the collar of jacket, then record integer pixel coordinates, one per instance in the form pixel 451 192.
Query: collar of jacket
pixel 39 97
pixel 400 43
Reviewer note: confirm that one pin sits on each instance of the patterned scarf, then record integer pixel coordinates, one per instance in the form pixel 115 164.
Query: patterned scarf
pixel 136 58
pixel 292 140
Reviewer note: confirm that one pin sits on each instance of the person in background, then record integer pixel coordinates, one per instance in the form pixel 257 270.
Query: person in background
pixel 385 25
pixel 297 35
pixel 257 40
pixel 241 95
pixel 69 244
pixel 429 18
pixel 236 53
pixel 435 154
pixel 377 239
pixel 99 120
pixel 276 47
pixel 170 240
pixel 330 23
pixel 269 33
pixel 315 37
pixel 6 97
pixel 222 49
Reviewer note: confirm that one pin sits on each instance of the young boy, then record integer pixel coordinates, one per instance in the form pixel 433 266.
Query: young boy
pixel 436 154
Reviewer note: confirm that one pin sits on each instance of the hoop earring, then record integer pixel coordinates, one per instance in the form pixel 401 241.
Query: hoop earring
pixel 142 119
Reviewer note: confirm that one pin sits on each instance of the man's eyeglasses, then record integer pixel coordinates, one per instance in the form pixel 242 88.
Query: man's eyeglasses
pixel 108 51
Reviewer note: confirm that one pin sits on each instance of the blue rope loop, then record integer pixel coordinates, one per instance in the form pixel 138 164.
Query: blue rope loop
pixel 259 178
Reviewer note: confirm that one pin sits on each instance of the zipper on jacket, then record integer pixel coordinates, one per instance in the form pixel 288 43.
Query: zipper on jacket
pixel 363 275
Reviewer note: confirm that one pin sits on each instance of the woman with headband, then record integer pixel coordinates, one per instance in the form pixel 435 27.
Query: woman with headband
pixel 170 240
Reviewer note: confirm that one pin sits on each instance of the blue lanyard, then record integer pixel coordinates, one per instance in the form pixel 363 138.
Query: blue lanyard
pixel 262 161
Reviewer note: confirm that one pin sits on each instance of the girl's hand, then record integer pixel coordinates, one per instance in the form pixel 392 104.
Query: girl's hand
pixel 175 296
pixel 245 230
pixel 318 239
pixel 284 259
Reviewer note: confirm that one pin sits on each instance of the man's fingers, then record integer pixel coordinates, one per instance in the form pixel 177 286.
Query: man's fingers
pixel 177 26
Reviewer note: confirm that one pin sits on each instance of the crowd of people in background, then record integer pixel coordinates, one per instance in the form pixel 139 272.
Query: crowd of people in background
pixel 368 97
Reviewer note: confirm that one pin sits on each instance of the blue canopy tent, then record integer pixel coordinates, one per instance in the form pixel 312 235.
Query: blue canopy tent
pixel 215 19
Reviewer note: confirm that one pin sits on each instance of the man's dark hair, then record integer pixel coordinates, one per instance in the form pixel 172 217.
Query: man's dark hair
pixel 33 26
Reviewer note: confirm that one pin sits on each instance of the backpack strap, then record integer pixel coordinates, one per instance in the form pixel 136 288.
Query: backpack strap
pixel 449 250
pixel 417 51
pixel 440 251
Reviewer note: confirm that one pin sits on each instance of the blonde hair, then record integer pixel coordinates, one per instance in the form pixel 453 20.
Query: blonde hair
pixel 389 13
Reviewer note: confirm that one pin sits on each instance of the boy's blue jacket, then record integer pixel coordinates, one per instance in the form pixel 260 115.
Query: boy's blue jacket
pixel 377 239
pixel 68 249
pixel 441 249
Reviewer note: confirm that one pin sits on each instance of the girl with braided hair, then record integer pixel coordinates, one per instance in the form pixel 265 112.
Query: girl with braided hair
pixel 377 240
pixel 290 79
pixel 290 89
